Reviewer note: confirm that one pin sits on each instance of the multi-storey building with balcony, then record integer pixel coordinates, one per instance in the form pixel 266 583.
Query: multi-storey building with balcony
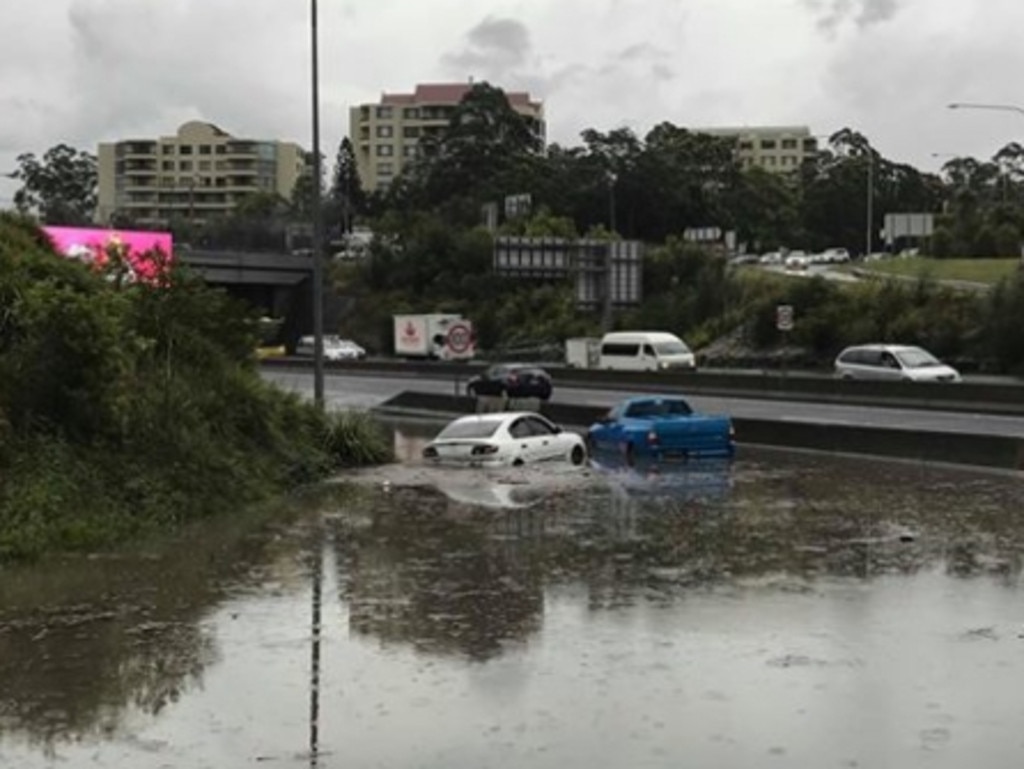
pixel 385 134
pixel 200 172
pixel 778 149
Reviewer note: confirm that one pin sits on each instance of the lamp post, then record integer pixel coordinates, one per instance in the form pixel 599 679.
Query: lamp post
pixel 606 309
pixel 318 224
pixel 994 107
pixel 869 234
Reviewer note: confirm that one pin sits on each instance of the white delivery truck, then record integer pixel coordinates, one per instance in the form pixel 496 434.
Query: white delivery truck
pixel 434 335
pixel 582 352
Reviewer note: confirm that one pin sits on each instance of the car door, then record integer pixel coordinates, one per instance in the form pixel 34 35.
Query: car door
pixel 548 443
pixel 606 433
pixel 526 444
pixel 649 358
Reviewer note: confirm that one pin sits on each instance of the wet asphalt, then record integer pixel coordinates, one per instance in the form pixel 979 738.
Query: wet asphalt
pixel 787 609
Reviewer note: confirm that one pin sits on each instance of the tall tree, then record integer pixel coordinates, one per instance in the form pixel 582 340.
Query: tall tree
pixel 58 189
pixel 347 197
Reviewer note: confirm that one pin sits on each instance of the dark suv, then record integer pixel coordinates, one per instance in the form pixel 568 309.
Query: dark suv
pixel 512 381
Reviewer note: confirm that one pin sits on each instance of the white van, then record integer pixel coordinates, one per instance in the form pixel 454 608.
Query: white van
pixel 645 351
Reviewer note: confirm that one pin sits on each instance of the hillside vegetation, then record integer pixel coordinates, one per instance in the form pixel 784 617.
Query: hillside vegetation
pixel 125 408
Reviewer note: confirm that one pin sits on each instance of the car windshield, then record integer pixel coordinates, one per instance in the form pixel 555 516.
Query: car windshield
pixel 671 348
pixel 917 358
pixel 471 428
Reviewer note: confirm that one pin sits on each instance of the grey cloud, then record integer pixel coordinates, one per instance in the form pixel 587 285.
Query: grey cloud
pixel 495 48
pixel 865 13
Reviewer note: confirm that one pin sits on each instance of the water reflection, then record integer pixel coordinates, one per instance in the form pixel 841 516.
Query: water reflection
pixel 478 570
pixel 83 640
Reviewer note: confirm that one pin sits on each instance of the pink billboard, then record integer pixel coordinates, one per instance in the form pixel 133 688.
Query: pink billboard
pixel 146 254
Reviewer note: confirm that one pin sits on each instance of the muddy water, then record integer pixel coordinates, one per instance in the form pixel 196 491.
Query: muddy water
pixel 787 610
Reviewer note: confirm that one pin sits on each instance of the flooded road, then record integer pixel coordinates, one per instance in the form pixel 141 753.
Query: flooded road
pixel 789 610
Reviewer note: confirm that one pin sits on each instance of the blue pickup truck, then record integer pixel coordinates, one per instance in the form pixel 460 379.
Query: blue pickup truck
pixel 661 427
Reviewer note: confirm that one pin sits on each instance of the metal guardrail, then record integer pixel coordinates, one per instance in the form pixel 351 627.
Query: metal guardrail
pixel 982 398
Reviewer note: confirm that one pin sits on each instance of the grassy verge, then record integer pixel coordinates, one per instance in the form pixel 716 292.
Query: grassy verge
pixel 989 271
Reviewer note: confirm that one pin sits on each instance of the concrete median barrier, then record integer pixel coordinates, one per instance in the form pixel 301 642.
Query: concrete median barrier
pixel 971 397
pixel 990 451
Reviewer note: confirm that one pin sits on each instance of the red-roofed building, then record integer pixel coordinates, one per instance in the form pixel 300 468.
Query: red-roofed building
pixel 385 134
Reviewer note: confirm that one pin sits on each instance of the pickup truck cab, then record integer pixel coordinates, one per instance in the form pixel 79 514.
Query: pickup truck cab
pixel 661 427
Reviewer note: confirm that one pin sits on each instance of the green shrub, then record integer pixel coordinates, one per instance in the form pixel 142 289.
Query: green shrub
pixel 124 408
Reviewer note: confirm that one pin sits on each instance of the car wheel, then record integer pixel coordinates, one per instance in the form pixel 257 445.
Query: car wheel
pixel 578 455
pixel 518 462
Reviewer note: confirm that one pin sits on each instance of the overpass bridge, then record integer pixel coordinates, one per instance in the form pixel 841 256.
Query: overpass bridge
pixel 277 284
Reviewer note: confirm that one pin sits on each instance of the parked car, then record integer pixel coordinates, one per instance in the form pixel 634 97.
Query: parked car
pixel 662 427
pixel 797 262
pixel 894 363
pixel 335 348
pixel 512 381
pixel 771 258
pixel 833 256
pixel 503 439
pixel 645 351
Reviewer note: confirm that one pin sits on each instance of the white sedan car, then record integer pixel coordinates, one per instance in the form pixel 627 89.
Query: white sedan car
pixel 502 439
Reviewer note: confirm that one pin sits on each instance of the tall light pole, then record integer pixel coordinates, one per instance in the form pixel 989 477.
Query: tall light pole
pixel 606 309
pixel 869 235
pixel 995 107
pixel 318 223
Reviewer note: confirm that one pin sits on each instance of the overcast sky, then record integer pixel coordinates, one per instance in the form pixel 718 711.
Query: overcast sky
pixel 85 71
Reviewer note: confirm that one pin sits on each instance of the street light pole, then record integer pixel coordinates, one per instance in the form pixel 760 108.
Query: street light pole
pixel 869 239
pixel 996 107
pixel 318 224
pixel 607 306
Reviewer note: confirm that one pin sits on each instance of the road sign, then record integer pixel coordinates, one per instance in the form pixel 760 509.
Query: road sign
pixel 460 338
pixel 784 317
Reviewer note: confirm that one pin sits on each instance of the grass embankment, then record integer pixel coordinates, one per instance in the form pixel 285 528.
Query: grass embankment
pixel 987 271
pixel 129 408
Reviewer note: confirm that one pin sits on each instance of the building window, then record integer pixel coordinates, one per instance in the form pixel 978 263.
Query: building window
pixel 167 149
pixel 410 131
pixel 810 145
pixel 385 150
pixel 167 165
pixel 204 165
pixel 385 132
pixel 385 169
pixel 186 149
pixel 789 144
pixel 185 165
pixel 204 149
pixel 746 146
pixel 767 144
pixel 411 113
pixel 384 113
pixel 222 149
pixel 770 160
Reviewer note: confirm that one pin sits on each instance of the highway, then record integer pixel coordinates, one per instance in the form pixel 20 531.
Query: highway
pixel 346 390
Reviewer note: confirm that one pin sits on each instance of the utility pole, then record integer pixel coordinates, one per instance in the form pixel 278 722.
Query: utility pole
pixel 318 223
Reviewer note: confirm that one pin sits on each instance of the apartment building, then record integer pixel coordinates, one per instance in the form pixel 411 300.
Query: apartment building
pixel 778 149
pixel 385 134
pixel 200 172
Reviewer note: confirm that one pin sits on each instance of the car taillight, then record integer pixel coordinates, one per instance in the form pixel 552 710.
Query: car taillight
pixel 484 449
pixel 429 452
pixel 652 437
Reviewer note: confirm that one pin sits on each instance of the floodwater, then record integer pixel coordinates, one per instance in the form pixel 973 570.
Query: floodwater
pixel 790 610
